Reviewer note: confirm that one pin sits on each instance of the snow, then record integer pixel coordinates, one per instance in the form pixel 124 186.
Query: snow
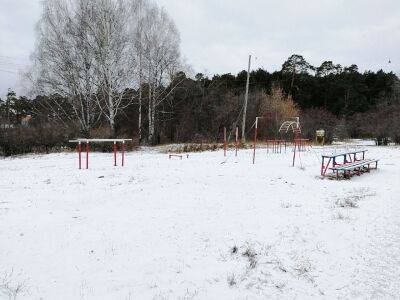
pixel 204 227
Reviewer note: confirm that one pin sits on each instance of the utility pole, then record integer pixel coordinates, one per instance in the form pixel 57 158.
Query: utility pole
pixel 246 97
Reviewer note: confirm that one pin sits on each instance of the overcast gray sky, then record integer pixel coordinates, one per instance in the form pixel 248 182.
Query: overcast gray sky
pixel 217 36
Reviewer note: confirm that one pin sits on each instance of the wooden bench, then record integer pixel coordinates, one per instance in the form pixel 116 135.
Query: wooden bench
pixel 357 167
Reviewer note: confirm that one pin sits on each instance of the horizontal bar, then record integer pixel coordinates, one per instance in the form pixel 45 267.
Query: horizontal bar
pixel 98 140
pixel 344 153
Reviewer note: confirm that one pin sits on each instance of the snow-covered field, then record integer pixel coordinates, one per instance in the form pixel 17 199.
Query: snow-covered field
pixel 198 228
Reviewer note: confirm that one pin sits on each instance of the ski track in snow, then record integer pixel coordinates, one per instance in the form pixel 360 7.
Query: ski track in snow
pixel 206 227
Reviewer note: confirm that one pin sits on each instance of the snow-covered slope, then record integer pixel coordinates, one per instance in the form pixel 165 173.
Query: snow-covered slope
pixel 198 228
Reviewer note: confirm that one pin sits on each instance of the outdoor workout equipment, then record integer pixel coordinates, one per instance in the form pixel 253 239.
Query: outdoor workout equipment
pixel 304 144
pixel 225 144
pixel 255 139
pixel 81 141
pixel 290 126
pixel 276 145
pixel 299 143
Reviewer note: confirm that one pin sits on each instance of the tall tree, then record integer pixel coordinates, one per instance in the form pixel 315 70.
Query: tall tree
pixel 295 64
pixel 161 60
pixel 63 61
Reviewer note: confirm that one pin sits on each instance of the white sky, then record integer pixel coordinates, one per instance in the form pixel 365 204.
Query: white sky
pixel 218 35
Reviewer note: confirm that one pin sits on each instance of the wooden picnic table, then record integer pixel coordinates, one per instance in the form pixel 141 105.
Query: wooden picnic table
pixel 344 157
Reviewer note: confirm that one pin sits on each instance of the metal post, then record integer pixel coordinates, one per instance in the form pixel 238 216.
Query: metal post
pixel 255 140
pixel 80 155
pixel 294 152
pixel 115 154
pixel 296 144
pixel 87 155
pixel 224 141
pixel 123 153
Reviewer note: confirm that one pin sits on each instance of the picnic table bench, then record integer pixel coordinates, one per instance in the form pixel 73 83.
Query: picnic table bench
pixel 347 163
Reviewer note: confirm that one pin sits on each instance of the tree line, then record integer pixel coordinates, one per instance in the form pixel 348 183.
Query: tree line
pixel 113 68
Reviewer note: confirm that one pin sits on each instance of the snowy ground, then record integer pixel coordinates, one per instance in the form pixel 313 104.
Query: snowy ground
pixel 197 228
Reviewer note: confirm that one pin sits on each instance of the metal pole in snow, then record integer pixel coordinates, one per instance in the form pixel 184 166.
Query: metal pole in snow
pixel 115 153
pixel 79 155
pixel 255 141
pixel 87 154
pixel 123 153
pixel 224 141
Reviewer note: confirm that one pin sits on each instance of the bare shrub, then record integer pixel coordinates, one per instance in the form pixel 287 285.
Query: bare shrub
pixel 303 266
pixel 347 202
pixel 277 107
pixel 251 256
pixel 232 280
pixel 340 216
pixel 234 250
pixel 8 290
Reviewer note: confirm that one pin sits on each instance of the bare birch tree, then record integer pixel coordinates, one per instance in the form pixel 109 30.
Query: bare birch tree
pixel 91 52
pixel 115 21
pixel 63 63
pixel 161 58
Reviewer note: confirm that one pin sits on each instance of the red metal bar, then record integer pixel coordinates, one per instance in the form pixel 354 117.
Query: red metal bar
pixel 224 141
pixel 255 140
pixel 327 166
pixel 294 152
pixel 322 166
pixel 123 154
pixel 80 155
pixel 87 155
pixel 115 154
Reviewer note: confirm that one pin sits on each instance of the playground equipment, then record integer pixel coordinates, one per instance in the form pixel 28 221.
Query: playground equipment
pixel 290 126
pixel 299 143
pixel 225 141
pixel 81 141
pixel 255 138
pixel 276 145
pixel 225 144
